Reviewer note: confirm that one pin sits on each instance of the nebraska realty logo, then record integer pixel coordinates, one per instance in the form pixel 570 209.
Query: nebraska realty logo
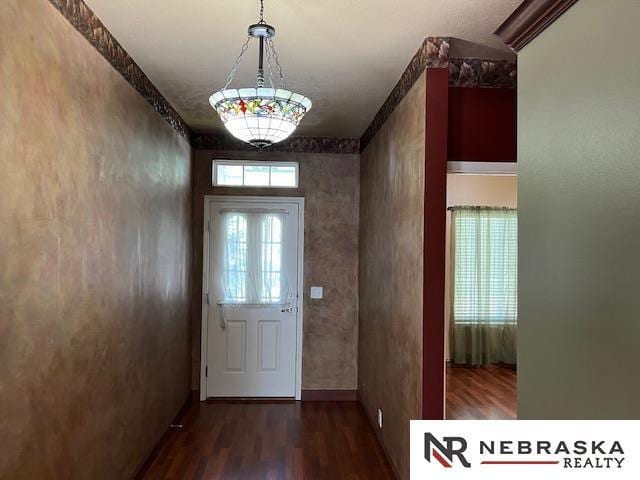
pixel 455 447
pixel 502 449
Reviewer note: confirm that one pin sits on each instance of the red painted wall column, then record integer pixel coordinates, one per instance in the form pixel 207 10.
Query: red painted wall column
pixel 482 124
pixel 435 186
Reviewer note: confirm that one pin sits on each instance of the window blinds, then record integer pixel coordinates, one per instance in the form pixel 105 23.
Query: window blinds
pixel 485 289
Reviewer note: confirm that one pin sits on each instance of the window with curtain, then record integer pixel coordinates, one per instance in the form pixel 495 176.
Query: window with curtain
pixel 485 285
pixel 252 270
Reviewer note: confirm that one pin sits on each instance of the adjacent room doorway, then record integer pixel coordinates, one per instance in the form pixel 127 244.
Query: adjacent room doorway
pixel 252 298
pixel 481 291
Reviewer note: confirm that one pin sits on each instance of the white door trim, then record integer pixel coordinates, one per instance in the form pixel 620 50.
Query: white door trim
pixel 208 199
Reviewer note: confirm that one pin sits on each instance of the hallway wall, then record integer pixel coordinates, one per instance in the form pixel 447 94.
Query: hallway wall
pixel 391 273
pixel 330 185
pixel 95 219
pixel 579 215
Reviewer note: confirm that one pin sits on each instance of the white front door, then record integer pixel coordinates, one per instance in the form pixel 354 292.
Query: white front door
pixel 252 301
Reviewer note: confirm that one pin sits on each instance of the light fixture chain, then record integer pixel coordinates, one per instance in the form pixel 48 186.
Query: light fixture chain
pixel 260 116
pixel 237 63
pixel 269 65
pixel 283 82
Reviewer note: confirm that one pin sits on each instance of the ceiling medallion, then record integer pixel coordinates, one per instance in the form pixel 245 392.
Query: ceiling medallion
pixel 263 115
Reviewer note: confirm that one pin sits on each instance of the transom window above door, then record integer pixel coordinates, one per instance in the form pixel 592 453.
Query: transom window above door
pixel 238 173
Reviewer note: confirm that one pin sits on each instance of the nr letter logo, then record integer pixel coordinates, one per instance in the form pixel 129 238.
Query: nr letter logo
pixel 444 453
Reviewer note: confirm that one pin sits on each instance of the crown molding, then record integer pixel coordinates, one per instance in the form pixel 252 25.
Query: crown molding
pixel 294 144
pixel 530 19
pixel 80 16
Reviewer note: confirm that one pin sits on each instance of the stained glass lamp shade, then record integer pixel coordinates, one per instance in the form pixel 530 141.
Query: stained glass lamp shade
pixel 260 116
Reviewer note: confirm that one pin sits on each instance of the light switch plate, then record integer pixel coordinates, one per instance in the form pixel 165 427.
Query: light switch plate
pixel 316 293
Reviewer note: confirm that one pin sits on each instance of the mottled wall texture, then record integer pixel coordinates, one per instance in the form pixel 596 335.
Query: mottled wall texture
pixel 94 258
pixel 579 216
pixel 391 273
pixel 329 185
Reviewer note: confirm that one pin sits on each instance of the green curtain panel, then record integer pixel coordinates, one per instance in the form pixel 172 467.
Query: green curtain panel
pixel 484 309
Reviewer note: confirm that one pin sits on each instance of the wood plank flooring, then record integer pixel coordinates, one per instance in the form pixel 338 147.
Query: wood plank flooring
pixel 481 393
pixel 271 440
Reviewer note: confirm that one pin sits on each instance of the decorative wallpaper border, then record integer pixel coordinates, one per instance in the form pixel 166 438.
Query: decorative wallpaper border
pixel 89 25
pixel 433 53
pixel 463 72
pixel 485 73
pixel 339 145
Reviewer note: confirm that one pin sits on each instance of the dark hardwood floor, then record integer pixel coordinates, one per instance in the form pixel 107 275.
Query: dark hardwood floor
pixel 481 393
pixel 271 440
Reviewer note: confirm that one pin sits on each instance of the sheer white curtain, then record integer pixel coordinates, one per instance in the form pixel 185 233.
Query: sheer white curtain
pixel 250 263
pixel 485 285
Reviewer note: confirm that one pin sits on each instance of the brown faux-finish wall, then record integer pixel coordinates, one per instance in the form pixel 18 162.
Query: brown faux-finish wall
pixel 94 258
pixel 391 273
pixel 329 184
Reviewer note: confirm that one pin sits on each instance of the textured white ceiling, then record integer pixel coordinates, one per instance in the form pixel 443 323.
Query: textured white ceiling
pixel 346 55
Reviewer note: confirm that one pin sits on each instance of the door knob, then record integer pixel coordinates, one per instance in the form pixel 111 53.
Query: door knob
pixel 288 309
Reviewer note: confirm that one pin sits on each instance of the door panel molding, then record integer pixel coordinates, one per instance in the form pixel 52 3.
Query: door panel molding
pixel 269 364
pixel 236 332
pixel 209 302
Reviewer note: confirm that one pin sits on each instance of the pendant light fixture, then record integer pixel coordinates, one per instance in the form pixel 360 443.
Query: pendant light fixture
pixel 263 115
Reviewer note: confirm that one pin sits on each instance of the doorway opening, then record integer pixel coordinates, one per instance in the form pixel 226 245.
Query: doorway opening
pixel 481 301
pixel 252 297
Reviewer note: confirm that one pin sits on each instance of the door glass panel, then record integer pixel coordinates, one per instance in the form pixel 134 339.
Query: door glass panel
pixel 271 260
pixel 235 259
